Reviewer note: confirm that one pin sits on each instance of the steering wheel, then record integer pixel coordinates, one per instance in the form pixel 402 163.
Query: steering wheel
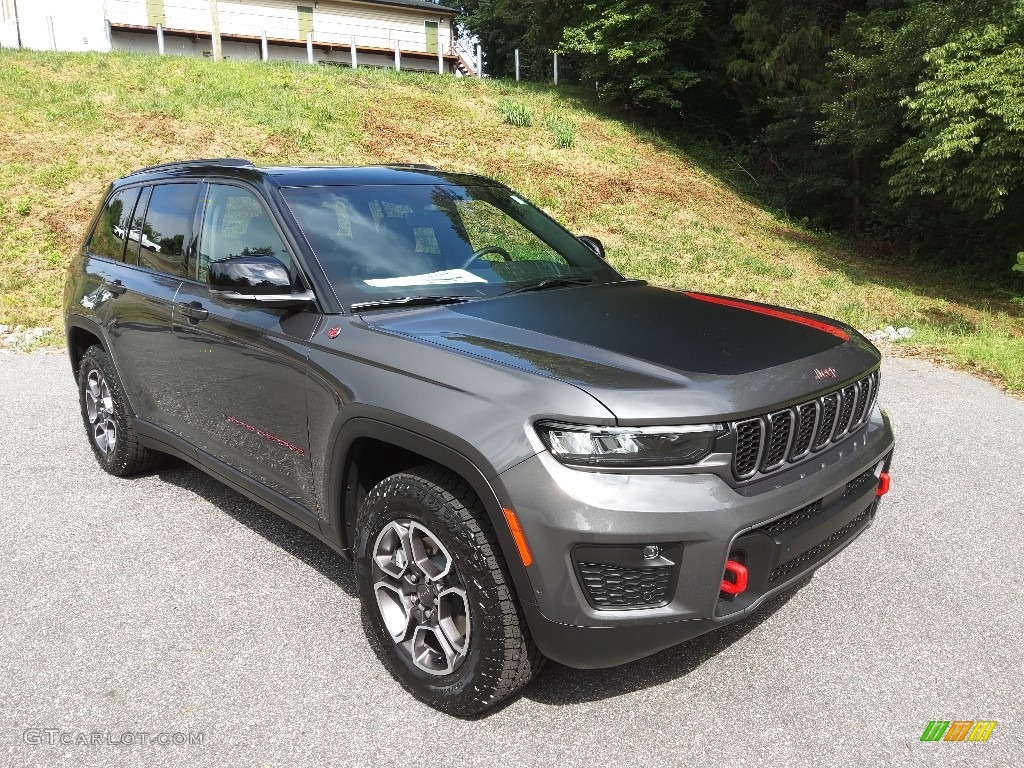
pixel 505 255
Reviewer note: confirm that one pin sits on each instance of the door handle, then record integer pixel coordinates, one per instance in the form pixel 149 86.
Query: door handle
pixel 116 287
pixel 194 310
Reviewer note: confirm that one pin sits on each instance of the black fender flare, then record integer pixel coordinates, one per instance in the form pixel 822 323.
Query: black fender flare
pixel 339 520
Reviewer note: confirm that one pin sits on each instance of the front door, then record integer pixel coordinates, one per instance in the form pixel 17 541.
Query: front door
pixel 243 368
pixel 431 30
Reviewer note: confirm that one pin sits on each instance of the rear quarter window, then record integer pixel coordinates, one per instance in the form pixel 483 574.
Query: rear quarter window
pixel 112 230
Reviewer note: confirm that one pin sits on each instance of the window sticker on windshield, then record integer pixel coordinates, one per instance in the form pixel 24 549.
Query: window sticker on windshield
pixel 447 277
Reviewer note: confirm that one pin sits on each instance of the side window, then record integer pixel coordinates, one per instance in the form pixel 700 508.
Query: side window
pixel 131 255
pixel 236 224
pixel 111 231
pixel 167 225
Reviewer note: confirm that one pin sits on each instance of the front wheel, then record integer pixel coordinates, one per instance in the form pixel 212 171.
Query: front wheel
pixel 437 593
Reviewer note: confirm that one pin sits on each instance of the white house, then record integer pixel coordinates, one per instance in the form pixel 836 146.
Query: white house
pixel 411 34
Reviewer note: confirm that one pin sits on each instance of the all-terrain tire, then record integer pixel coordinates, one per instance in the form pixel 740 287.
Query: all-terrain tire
pixel 104 412
pixel 500 658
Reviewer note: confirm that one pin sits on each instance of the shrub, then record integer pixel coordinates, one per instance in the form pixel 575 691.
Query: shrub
pixel 563 130
pixel 514 113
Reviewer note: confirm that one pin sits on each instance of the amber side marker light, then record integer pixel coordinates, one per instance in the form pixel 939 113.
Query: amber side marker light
pixel 517 535
pixel 883 485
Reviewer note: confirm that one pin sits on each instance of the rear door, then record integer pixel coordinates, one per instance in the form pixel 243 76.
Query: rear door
pixel 142 287
pixel 243 368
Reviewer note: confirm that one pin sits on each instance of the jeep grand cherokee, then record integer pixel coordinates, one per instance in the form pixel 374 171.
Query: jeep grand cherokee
pixel 527 455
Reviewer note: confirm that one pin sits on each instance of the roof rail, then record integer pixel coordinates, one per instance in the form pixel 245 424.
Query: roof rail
pixel 226 162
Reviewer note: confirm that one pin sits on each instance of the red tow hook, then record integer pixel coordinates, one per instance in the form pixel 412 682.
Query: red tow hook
pixel 883 485
pixel 739 575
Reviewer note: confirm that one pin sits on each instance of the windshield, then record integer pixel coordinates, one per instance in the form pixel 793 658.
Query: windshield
pixel 379 243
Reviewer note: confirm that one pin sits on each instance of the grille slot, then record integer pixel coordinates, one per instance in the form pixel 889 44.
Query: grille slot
pixel 749 435
pixel 807 415
pixel 780 425
pixel 849 396
pixel 613 586
pixel 863 397
pixel 818 550
pixel 829 406
pixel 771 442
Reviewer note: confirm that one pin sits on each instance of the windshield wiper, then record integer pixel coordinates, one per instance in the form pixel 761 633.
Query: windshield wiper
pixel 550 282
pixel 409 301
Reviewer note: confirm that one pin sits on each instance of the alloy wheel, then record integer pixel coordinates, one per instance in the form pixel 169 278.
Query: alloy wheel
pixel 99 407
pixel 421 600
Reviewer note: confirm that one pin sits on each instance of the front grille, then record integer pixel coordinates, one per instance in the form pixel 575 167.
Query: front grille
pixel 818 550
pixel 613 586
pixel 773 441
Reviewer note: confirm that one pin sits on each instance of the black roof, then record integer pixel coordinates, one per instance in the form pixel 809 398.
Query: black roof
pixel 308 176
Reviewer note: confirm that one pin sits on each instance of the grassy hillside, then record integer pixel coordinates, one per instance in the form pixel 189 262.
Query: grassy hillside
pixel 71 122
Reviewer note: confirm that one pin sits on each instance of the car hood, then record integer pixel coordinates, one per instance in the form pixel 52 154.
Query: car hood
pixel 651 354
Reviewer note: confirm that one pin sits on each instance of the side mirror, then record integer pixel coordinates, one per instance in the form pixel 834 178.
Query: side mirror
pixel 261 280
pixel 593 244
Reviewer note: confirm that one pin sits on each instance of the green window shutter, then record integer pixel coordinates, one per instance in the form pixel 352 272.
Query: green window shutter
pixel 305 20
pixel 431 30
pixel 155 13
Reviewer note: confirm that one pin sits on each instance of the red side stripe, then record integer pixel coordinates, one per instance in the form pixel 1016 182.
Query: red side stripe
pixel 816 324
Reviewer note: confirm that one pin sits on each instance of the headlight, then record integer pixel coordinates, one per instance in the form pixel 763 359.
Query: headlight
pixel 629 446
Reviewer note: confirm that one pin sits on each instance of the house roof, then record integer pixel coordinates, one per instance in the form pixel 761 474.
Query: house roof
pixel 419 5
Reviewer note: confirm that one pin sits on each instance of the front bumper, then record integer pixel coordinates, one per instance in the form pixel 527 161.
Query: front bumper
pixel 783 527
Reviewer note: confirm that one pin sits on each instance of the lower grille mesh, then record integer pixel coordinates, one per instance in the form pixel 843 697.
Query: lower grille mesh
pixel 818 550
pixel 793 519
pixel 612 586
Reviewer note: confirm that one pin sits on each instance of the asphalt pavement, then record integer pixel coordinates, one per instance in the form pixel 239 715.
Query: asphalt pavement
pixel 166 620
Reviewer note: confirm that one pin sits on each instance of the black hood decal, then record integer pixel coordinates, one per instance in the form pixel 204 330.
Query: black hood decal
pixel 669 329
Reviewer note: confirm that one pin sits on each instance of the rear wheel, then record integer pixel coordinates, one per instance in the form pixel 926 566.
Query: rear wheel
pixel 114 442
pixel 437 593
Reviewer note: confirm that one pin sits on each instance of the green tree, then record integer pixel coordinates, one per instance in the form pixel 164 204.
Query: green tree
pixel 967 120
pixel 639 52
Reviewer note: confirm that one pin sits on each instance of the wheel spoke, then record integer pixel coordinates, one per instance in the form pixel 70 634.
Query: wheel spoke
pixel 453 618
pixel 392 553
pixel 395 608
pixel 432 652
pixel 93 382
pixel 428 553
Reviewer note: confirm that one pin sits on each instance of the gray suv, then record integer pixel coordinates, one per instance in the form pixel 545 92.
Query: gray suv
pixel 527 455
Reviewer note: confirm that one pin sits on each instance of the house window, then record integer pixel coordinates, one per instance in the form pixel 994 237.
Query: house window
pixel 155 13
pixel 305 20
pixel 431 29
